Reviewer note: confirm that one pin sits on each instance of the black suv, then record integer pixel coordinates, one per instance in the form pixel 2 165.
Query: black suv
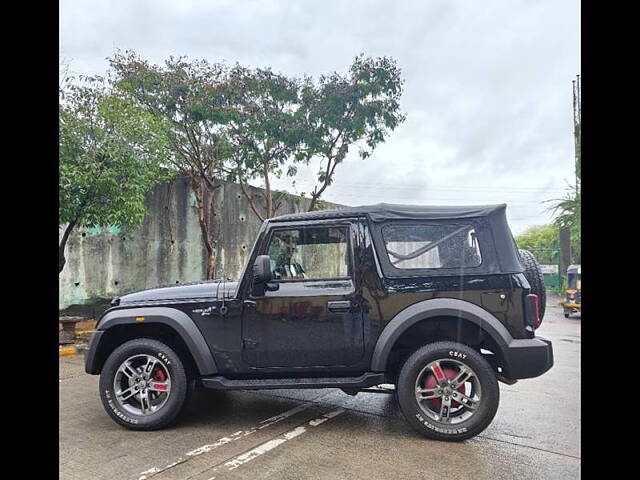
pixel 437 301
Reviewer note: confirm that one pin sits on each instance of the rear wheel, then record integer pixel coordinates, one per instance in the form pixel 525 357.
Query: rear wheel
pixel 448 391
pixel 143 384
pixel 533 273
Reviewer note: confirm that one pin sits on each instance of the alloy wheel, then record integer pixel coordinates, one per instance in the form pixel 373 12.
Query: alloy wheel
pixel 142 384
pixel 448 391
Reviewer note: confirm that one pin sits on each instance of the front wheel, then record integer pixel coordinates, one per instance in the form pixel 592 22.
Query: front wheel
pixel 448 391
pixel 143 384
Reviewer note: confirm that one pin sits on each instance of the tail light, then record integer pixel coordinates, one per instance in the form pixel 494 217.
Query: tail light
pixel 536 320
pixel 532 312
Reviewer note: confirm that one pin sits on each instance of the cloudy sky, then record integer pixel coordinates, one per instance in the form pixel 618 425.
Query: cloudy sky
pixel 487 83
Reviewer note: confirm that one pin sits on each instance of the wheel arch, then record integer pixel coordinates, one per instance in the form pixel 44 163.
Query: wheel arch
pixel 117 326
pixel 439 309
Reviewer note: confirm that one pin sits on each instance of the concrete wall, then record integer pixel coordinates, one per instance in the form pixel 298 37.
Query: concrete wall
pixel 166 249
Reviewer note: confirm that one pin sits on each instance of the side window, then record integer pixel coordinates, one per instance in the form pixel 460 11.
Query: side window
pixel 309 253
pixel 432 246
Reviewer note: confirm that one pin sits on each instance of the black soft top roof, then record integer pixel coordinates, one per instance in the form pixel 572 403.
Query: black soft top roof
pixel 500 251
pixel 387 211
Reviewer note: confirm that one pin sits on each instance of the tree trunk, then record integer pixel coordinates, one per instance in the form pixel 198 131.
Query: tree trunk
pixel 315 195
pixel 267 187
pixel 205 203
pixel 249 198
pixel 63 243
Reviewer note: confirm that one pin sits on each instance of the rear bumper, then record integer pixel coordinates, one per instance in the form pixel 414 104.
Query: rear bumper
pixel 90 365
pixel 528 358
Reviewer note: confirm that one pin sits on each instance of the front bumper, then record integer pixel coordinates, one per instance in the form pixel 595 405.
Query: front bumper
pixel 90 364
pixel 528 358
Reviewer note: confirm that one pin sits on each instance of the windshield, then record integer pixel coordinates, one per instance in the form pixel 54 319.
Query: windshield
pixel 574 281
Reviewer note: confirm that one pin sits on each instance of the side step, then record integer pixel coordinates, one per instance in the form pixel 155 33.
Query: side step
pixel 365 380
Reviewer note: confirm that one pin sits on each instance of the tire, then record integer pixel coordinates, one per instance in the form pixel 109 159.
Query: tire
pixel 533 273
pixel 129 413
pixel 449 354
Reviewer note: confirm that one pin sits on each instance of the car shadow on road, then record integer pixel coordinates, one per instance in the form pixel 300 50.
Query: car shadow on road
pixel 207 406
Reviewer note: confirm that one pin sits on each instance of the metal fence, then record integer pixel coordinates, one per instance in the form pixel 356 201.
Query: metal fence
pixel 549 260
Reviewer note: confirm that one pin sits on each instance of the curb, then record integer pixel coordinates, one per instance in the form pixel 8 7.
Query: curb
pixel 83 332
pixel 76 350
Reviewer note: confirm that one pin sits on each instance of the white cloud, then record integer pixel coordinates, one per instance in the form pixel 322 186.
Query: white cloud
pixel 487 92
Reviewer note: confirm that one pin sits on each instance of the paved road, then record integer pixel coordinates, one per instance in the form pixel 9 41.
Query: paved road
pixel 311 434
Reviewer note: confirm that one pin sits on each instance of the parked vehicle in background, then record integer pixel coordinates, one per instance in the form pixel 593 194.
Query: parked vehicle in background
pixel 434 300
pixel 573 293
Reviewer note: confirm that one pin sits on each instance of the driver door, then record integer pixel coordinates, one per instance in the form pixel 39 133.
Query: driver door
pixel 314 318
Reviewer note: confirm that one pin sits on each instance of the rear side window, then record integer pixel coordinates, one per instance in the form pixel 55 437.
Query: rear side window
pixel 412 247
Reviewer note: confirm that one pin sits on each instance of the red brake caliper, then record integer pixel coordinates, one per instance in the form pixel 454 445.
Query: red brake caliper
pixel 160 376
pixel 432 382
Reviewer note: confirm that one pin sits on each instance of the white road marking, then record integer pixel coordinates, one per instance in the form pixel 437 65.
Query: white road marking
pixel 214 445
pixel 271 444
pixel 318 421
pixel 154 470
pixel 251 454
pixel 224 440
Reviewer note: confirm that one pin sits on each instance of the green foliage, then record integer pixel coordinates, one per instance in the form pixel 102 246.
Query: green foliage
pixel 188 99
pixel 568 210
pixel 280 121
pixel 110 156
pixel 264 128
pixel 543 240
pixel 359 109
pixel 220 123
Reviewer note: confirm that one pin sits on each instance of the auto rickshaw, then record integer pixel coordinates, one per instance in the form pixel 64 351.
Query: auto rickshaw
pixel 573 297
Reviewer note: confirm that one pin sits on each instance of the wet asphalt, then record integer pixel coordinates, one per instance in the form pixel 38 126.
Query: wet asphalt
pixel 326 434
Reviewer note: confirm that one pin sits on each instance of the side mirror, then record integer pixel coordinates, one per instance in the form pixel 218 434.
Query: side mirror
pixel 262 269
pixel 262 275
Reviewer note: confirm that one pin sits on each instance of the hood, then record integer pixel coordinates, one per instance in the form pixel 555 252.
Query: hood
pixel 206 289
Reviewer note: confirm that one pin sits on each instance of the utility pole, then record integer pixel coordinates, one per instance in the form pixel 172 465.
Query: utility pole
pixel 565 251
pixel 577 116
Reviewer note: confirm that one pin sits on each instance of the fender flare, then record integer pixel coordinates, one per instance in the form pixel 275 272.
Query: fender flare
pixel 431 308
pixel 179 321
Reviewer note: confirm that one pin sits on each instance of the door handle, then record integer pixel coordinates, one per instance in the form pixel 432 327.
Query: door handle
pixel 339 306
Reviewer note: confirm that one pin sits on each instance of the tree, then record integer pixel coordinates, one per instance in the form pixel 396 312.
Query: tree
pixel 359 109
pixel 265 130
pixel 541 239
pixel 110 156
pixel 243 124
pixel 63 71
pixel 189 98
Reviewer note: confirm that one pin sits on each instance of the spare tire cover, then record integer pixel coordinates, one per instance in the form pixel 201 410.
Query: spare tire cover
pixel 533 273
